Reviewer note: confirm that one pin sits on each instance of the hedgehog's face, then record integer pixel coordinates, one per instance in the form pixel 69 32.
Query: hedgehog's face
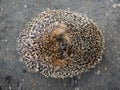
pixel 58 44
pixel 62 45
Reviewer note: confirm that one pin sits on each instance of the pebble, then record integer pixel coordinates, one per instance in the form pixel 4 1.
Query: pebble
pixel 25 6
pixel 98 72
pixel 116 5
pixel 77 88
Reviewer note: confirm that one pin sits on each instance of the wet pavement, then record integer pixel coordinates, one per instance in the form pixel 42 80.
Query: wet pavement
pixel 14 14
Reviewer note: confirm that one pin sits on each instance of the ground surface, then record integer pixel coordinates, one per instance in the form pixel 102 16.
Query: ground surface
pixel 13 73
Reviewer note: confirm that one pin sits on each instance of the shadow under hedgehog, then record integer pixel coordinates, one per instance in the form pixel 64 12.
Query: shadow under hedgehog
pixel 60 44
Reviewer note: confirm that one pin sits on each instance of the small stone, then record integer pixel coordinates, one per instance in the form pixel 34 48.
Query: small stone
pixel 106 14
pixel 1 9
pixel 10 88
pixel 105 69
pixel 5 40
pixel 25 6
pixel 98 72
pixel 64 84
pixel 77 88
pixel 118 58
pixel 49 85
pixel 116 5
pixel 23 80
pixel 111 0
pixel 13 3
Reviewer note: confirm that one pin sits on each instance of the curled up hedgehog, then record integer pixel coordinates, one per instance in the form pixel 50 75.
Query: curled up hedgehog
pixel 60 44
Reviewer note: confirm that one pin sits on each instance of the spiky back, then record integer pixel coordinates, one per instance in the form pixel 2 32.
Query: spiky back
pixel 41 54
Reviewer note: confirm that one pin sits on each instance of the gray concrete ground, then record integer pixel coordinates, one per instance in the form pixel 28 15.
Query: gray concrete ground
pixel 13 73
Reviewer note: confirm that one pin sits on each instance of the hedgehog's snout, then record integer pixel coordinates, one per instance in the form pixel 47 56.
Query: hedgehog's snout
pixel 63 49
pixel 59 37
pixel 63 45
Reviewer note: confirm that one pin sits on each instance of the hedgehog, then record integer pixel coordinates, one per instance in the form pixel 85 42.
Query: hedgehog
pixel 60 44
